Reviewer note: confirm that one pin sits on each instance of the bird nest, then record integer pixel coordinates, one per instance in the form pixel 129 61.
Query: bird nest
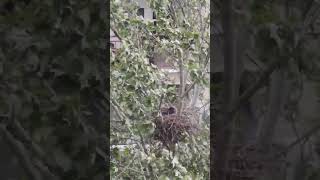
pixel 172 128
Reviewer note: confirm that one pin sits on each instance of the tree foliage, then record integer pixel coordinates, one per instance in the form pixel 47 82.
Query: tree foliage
pixel 280 39
pixel 52 84
pixel 138 89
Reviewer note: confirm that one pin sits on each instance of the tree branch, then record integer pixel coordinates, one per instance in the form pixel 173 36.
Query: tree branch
pixel 126 167
pixel 193 84
pixel 22 153
pixel 116 33
pixel 251 91
pixel 303 137
pixel 35 148
pixel 230 94
pixel 256 86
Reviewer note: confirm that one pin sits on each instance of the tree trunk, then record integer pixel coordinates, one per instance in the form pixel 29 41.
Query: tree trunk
pixel 230 90
pixel 195 96
pixel 182 86
pixel 268 124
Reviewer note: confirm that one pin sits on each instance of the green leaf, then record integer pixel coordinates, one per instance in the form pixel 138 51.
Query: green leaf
pixel 163 177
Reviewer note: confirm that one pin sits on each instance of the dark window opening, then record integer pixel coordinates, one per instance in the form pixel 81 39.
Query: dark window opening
pixel 140 12
pixel 154 18
pixel 151 61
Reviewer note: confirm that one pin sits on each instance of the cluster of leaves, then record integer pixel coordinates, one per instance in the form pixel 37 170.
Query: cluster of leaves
pixel 286 32
pixel 282 33
pixel 189 162
pixel 285 36
pixel 53 76
pixel 183 31
pixel 137 89
pixel 135 86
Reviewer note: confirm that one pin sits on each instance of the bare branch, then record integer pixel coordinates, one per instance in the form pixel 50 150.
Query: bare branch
pixel 44 169
pixel 193 84
pixel 307 135
pixel 35 148
pixel 126 168
pixel 116 33
pixel 22 153
pixel 254 61
pixel 251 90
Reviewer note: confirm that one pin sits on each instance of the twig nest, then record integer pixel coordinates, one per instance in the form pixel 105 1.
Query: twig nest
pixel 172 128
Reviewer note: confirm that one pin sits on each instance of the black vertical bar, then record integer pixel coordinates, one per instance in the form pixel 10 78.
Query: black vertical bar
pixel 211 91
pixel 107 85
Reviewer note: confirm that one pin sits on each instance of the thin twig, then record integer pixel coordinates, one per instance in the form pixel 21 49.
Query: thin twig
pixel 126 167
pixel 193 84
pixel 251 91
pixel 139 172
pixel 182 10
pixel 116 33
pixel 303 137
pixel 143 144
pixel 254 61
pixel 40 165
pixel 35 148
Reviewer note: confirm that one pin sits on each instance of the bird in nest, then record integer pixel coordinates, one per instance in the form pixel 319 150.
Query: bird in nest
pixel 168 111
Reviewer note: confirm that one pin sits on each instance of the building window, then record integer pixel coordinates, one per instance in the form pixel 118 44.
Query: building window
pixel 140 12
pixel 154 18
pixel 151 61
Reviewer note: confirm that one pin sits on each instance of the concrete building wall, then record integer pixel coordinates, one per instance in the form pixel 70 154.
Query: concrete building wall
pixel 148 12
pixel 114 40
